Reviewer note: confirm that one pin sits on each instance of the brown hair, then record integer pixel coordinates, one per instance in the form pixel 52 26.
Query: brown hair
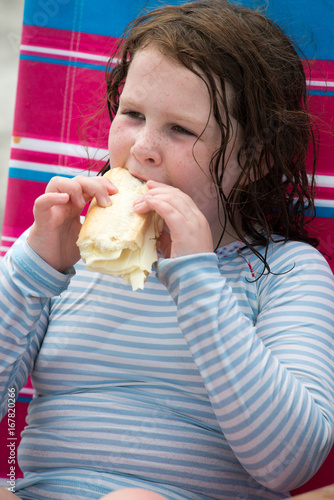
pixel 249 52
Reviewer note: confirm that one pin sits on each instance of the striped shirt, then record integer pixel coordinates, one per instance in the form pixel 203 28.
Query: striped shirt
pixel 207 384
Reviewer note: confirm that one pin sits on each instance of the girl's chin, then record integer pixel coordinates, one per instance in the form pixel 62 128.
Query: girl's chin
pixel 164 243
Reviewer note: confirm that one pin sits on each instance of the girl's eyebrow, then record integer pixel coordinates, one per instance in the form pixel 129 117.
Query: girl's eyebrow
pixel 127 100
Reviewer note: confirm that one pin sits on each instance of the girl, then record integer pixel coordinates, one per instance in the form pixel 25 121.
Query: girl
pixel 216 380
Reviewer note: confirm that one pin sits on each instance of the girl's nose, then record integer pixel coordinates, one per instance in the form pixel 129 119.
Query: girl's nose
pixel 147 147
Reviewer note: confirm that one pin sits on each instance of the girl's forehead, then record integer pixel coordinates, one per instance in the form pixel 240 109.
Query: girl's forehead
pixel 151 69
pixel 154 66
pixel 153 59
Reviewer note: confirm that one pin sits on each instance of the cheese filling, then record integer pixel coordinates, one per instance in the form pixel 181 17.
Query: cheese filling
pixel 134 265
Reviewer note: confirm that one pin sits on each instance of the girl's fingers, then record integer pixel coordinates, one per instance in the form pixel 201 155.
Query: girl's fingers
pixel 65 198
pixel 172 196
pixel 189 229
pixel 82 189
pixel 152 184
pixel 45 205
pixel 174 216
pixel 46 201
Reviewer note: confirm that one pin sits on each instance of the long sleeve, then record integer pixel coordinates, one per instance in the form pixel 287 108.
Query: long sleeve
pixel 26 284
pixel 269 380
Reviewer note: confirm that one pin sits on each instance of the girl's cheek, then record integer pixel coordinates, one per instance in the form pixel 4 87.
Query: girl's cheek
pixel 115 130
pixel 119 140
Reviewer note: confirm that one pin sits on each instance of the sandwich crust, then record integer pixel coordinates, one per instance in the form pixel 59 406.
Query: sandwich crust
pixel 115 239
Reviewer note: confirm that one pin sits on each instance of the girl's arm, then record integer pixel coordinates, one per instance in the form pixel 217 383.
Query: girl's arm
pixel 57 223
pixel 270 383
pixel 269 378
pixel 36 269
pixel 26 285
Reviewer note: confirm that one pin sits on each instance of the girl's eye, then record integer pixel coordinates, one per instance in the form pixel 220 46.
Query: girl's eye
pixel 182 130
pixel 133 114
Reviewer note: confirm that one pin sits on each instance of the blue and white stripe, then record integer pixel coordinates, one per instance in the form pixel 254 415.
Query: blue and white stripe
pixel 205 385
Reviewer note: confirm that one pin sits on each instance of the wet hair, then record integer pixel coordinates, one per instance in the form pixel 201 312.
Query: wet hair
pixel 245 51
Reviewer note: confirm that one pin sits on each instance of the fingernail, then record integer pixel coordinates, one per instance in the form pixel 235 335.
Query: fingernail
pixel 139 205
pixel 63 196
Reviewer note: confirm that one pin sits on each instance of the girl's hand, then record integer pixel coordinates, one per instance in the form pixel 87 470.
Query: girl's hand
pixel 188 229
pixel 57 224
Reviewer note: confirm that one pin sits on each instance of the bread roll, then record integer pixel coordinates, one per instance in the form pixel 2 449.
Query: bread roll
pixel 116 240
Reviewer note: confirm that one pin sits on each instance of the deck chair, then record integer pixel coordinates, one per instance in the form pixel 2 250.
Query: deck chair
pixel 64 48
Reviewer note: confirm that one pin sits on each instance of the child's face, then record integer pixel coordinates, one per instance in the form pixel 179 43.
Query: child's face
pixel 164 108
